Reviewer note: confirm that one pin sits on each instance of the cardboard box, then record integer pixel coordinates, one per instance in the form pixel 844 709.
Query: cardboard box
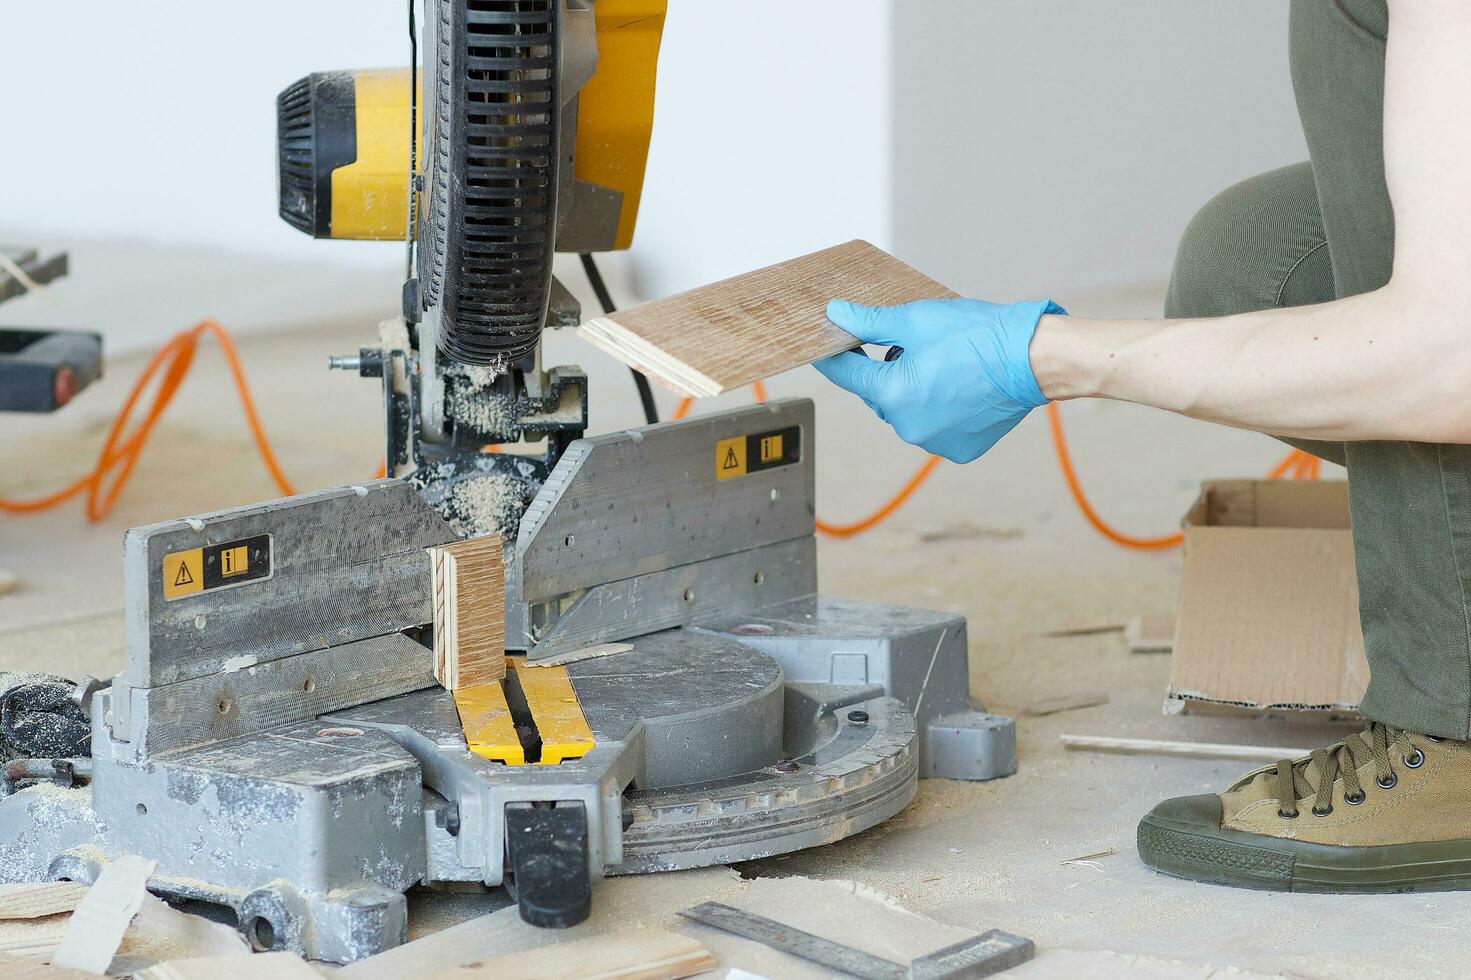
pixel 1269 614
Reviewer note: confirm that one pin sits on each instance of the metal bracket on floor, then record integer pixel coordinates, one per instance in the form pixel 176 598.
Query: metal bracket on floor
pixel 980 956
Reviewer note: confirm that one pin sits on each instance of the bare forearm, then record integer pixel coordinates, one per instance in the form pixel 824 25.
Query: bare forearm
pixel 1383 365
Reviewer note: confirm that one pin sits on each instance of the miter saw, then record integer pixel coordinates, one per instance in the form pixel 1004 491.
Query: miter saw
pixel 679 694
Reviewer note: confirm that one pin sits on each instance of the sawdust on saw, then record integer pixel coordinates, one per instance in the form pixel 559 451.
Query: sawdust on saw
pixel 473 404
pixel 490 504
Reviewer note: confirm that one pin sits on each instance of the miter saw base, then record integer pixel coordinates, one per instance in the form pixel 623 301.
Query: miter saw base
pixel 708 751
pixel 277 742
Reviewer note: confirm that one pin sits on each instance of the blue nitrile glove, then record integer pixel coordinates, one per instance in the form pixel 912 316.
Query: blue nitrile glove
pixel 965 377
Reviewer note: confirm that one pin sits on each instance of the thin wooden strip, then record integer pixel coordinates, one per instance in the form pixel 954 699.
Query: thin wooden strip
pixel 437 572
pixel 593 652
pixel 1194 750
pixel 97 926
pixel 633 954
pixel 33 938
pixel 15 968
pixel 275 966
pixel 31 901
pixel 749 327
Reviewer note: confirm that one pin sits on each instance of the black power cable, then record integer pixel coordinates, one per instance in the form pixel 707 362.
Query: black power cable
pixel 413 140
pixel 605 300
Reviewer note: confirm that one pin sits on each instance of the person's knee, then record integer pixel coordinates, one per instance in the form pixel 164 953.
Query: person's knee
pixel 1209 276
pixel 1239 248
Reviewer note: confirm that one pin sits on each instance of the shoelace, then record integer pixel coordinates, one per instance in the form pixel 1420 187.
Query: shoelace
pixel 1345 758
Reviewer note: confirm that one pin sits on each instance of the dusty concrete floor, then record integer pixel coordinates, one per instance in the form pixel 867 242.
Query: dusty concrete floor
pixel 998 541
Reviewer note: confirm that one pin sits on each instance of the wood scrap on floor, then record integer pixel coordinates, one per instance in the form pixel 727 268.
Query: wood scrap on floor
pixel 1101 964
pixel 160 933
pixel 1085 629
pixel 637 954
pixel 1089 860
pixel 1150 634
pixel 261 966
pixel 33 938
pixel 102 916
pixel 31 901
pixel 1265 754
pixel 469 588
pixel 728 334
pixel 461 943
pixel 15 968
pixel 1064 702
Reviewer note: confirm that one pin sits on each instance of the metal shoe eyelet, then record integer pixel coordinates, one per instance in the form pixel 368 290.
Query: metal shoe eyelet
pixel 1415 761
pixel 1355 799
pixel 1435 738
pixel 1324 812
pixel 1387 783
pixel 1287 814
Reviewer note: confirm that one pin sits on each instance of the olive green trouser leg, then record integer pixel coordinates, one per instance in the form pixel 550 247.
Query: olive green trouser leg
pixel 1255 246
pixel 1411 502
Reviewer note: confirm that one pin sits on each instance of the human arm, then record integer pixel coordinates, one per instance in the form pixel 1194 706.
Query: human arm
pixel 1389 364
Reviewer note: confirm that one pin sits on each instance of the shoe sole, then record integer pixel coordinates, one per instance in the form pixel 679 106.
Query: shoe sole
pixel 1231 857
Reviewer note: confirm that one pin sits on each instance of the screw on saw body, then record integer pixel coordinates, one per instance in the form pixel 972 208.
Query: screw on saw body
pixel 858 718
pixel 447 818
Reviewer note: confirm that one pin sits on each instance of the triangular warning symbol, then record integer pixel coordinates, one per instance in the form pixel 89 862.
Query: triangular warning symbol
pixel 730 462
pixel 183 578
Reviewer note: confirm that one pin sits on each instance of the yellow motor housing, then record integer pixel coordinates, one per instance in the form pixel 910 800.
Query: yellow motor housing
pixel 615 110
pixel 343 136
pixel 343 144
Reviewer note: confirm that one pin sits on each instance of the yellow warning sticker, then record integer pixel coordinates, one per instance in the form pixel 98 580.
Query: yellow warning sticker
pixel 771 448
pixel 730 458
pixel 216 566
pixel 759 451
pixel 183 573
pixel 234 561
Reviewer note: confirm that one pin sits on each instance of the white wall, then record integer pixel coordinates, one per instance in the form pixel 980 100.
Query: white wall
pixel 1058 147
pixel 141 138
pixel 156 122
pixel 151 157
pixel 1008 147
pixel 771 136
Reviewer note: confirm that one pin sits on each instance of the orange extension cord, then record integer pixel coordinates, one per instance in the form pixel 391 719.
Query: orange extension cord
pixel 120 455
pixel 1296 464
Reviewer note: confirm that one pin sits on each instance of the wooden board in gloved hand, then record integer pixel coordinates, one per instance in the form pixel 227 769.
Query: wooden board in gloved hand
pixel 718 337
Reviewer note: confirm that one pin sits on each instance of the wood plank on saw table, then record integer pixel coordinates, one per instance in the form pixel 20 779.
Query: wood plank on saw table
pixel 469 612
